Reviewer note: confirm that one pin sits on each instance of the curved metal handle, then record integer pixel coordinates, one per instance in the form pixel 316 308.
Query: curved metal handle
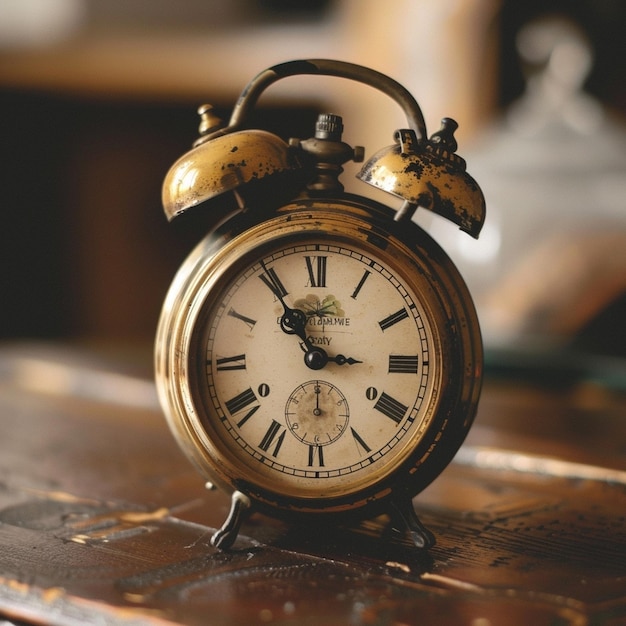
pixel 326 67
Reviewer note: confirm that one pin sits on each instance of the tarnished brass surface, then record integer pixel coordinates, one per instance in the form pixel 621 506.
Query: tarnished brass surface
pixel 230 157
pixel 224 164
pixel 227 158
pixel 102 520
pixel 449 326
pixel 434 181
pixel 366 469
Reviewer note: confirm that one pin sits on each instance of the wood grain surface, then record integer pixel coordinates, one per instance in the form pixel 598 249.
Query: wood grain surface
pixel 102 520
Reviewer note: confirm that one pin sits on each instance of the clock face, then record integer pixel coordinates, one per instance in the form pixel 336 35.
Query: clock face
pixel 317 367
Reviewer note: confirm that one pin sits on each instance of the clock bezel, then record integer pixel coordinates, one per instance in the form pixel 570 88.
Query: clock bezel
pixel 352 221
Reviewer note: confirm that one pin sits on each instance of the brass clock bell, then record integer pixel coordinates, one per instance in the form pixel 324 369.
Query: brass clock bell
pixel 318 355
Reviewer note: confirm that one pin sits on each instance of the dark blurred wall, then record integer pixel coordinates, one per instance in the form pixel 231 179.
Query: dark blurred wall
pixel 86 249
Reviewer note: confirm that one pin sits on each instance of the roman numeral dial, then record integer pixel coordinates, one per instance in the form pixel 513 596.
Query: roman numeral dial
pixel 270 278
pixel 393 319
pixel 403 364
pixel 273 438
pixel 318 366
pixel 316 269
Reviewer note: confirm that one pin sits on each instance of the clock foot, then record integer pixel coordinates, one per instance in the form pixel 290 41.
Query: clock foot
pixel 240 506
pixel 405 519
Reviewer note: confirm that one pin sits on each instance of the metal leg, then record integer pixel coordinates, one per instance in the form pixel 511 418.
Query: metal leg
pixel 405 520
pixel 239 509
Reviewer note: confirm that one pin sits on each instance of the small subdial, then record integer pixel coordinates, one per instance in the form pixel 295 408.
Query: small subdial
pixel 317 413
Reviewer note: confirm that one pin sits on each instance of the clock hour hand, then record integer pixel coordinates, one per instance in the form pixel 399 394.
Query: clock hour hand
pixel 293 322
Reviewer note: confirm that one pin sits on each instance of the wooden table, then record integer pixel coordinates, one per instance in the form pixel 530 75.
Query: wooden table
pixel 102 520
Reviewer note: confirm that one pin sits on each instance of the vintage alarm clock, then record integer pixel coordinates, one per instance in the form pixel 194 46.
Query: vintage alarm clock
pixel 318 355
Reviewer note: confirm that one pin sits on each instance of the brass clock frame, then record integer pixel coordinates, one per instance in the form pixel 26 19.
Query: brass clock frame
pixel 344 220
pixel 267 212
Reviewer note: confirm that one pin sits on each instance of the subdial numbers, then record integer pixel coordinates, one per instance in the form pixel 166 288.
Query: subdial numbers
pixel 317 413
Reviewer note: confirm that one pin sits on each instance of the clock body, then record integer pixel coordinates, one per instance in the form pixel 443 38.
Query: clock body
pixel 355 406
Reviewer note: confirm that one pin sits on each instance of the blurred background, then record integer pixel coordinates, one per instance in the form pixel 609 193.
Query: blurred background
pixel 99 97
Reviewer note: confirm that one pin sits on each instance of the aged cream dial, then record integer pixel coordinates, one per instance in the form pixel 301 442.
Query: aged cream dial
pixel 320 368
